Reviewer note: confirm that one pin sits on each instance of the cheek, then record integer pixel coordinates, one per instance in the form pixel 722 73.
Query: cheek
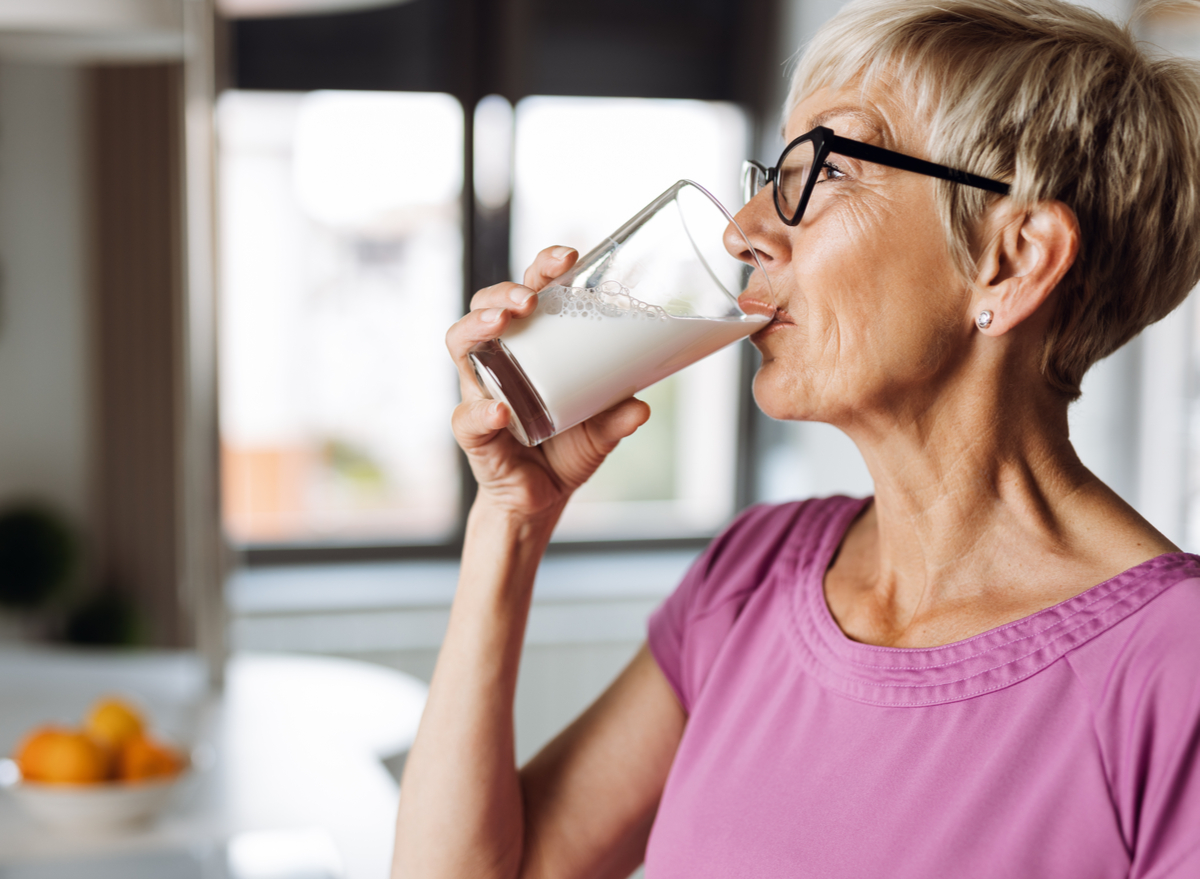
pixel 886 266
pixel 877 303
pixel 847 274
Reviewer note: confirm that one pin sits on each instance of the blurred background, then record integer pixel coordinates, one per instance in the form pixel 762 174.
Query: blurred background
pixel 232 236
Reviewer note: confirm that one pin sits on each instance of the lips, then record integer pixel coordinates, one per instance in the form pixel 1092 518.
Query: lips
pixel 778 316
pixel 779 319
pixel 749 305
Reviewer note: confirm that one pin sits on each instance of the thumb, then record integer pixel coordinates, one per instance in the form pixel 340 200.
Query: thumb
pixel 576 453
pixel 613 425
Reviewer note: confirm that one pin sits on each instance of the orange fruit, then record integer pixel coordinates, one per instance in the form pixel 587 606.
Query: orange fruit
pixel 54 755
pixel 142 758
pixel 113 721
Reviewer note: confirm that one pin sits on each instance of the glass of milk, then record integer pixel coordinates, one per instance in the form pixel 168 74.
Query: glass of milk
pixel 657 295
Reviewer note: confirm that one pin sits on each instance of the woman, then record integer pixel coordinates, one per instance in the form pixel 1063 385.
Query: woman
pixel 988 669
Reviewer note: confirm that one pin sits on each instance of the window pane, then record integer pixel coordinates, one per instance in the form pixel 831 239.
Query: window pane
pixel 1167 466
pixel 582 167
pixel 801 459
pixel 341 256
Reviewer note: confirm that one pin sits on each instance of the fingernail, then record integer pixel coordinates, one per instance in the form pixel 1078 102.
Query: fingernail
pixel 491 315
pixel 560 252
pixel 494 409
pixel 520 295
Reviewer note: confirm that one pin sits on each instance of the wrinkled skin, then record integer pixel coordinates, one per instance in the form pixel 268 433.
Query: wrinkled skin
pixel 872 314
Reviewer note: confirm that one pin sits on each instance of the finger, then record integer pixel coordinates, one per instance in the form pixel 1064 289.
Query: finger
pixel 475 327
pixel 465 334
pixel 548 265
pixel 476 423
pixel 613 425
pixel 517 298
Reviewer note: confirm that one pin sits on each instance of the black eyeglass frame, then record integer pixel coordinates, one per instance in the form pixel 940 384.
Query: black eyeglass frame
pixel 826 142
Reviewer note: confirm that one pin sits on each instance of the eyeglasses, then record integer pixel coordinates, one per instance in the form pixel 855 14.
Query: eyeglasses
pixel 803 161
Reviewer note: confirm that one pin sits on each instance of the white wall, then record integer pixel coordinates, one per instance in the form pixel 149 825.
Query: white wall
pixel 556 683
pixel 44 423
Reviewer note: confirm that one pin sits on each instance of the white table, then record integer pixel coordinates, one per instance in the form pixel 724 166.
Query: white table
pixel 294 743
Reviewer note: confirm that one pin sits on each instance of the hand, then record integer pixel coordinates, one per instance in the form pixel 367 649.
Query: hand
pixel 526 480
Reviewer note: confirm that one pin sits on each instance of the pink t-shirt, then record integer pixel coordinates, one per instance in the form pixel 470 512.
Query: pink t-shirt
pixel 1065 745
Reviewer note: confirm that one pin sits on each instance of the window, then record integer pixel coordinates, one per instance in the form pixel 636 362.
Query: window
pixel 1168 411
pixel 341 246
pixel 341 254
pixel 338 282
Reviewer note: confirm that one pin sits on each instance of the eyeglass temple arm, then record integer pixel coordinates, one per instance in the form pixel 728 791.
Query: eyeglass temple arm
pixel 868 153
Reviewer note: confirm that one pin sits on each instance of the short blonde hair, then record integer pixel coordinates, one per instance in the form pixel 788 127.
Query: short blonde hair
pixel 1066 106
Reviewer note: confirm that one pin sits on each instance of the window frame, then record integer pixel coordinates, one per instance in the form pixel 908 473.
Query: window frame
pixel 472 49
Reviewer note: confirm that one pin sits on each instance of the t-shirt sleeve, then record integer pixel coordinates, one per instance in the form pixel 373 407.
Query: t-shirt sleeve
pixel 1149 727
pixel 687 631
pixel 666 628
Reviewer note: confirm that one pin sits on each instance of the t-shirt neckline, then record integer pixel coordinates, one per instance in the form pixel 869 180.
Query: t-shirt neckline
pixel 989 661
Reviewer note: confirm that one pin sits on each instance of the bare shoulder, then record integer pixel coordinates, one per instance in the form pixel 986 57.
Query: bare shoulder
pixel 592 793
pixel 1111 533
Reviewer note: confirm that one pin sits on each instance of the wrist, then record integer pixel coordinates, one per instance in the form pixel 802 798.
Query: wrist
pixel 495 515
pixel 510 537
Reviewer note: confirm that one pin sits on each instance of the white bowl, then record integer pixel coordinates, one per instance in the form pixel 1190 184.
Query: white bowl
pixel 94 807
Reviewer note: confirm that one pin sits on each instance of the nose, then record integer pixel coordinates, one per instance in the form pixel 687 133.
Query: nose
pixel 761 233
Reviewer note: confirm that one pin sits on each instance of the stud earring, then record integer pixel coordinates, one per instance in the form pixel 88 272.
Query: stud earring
pixel 984 320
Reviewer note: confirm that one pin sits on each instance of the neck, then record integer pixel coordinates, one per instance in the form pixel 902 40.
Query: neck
pixel 982 509
pixel 946 474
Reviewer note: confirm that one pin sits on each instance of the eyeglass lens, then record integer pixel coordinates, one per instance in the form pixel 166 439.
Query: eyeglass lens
pixel 794 168
pixel 753 179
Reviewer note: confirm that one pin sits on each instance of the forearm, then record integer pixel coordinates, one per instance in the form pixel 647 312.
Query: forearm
pixel 460 809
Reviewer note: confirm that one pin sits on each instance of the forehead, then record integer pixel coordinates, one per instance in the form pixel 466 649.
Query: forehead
pixel 850 111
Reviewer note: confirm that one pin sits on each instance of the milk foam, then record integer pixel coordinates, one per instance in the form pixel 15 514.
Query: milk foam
pixel 586 349
pixel 610 299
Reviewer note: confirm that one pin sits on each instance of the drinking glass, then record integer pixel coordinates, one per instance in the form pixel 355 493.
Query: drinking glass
pixel 657 295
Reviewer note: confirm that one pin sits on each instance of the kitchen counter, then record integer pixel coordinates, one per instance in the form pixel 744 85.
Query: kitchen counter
pixel 289 752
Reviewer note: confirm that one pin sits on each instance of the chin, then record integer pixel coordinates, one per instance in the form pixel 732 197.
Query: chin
pixel 779 400
pixel 802 395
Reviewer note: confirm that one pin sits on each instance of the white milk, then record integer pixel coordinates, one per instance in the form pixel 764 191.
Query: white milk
pixel 586 349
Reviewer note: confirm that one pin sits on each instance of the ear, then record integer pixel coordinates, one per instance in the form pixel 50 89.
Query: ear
pixel 1026 255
